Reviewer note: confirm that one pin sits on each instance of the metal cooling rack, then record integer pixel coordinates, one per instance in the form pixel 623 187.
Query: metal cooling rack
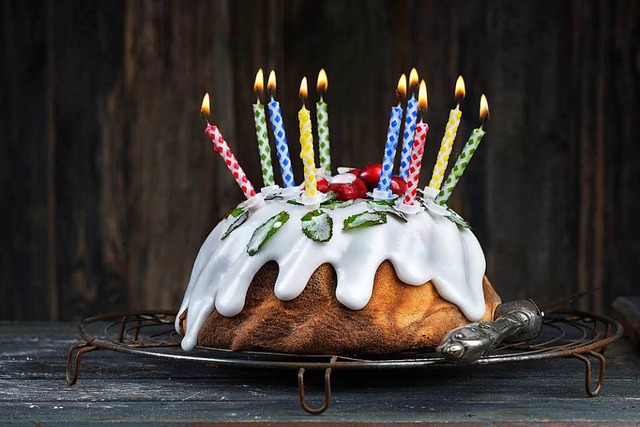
pixel 564 334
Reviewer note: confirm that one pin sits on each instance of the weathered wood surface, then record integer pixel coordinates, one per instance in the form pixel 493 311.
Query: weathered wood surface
pixel 115 387
pixel 108 186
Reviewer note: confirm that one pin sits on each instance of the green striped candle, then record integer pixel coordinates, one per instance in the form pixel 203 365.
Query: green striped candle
pixel 264 150
pixel 322 116
pixel 464 158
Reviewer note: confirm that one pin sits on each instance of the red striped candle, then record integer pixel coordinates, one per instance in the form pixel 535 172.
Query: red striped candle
pixel 229 158
pixel 416 163
pixel 420 137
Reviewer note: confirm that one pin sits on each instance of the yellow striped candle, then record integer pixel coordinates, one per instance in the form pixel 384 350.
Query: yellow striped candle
pixel 306 142
pixel 449 137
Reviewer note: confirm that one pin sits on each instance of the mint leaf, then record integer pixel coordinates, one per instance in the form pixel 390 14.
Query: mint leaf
pixel 331 196
pixel 457 219
pixel 318 226
pixel 239 218
pixel 364 219
pixel 382 206
pixel 264 232
pixel 294 202
pixel 238 211
pixel 390 202
pixel 337 204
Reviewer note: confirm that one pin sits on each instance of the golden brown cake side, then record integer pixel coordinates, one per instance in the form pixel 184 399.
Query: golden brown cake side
pixel 398 318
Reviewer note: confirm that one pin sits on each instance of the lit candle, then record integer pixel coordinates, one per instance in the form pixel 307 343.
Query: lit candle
pixel 395 119
pixel 222 147
pixel 282 147
pixel 261 132
pixel 410 120
pixel 447 140
pixel 322 116
pixel 418 149
pixel 306 142
pixel 465 156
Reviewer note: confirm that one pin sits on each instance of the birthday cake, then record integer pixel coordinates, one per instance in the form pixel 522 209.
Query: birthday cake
pixel 353 263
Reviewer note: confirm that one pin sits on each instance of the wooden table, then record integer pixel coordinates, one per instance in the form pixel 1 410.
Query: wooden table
pixel 116 387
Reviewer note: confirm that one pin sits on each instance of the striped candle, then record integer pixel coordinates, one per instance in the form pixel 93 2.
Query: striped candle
pixel 282 147
pixel 449 137
pixel 415 165
pixel 306 143
pixel 322 116
pixel 230 160
pixel 465 156
pixel 393 132
pixel 410 120
pixel 417 152
pixel 264 150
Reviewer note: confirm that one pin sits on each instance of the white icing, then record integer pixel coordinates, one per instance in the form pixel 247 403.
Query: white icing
pixel 344 169
pixel 427 247
pixel 429 193
pixel 342 178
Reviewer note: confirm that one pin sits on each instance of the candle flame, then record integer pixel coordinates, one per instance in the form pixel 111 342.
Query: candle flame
pixel 413 79
pixel 422 97
pixel 271 84
pixel 484 108
pixel 323 82
pixel 303 89
pixel 258 85
pixel 460 89
pixel 205 110
pixel 402 87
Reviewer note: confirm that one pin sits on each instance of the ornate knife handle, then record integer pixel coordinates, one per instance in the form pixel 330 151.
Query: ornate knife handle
pixel 514 322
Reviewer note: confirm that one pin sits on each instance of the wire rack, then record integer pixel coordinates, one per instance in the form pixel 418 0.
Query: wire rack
pixel 564 334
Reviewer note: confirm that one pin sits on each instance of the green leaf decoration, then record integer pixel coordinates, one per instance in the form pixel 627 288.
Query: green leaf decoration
pixel 337 204
pixel 364 219
pixel 318 226
pixel 390 202
pixel 331 196
pixel 240 215
pixel 264 232
pixel 457 219
pixel 294 202
pixel 387 208
pixel 238 211
pixel 273 196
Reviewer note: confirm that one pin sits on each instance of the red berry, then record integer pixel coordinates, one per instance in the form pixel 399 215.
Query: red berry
pixel 354 171
pixel 354 190
pixel 371 175
pixel 323 185
pixel 398 185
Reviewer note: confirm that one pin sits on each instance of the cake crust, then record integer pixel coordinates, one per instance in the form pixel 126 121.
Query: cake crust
pixel 398 318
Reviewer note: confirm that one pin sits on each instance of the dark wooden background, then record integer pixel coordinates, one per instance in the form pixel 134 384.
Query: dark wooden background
pixel 108 184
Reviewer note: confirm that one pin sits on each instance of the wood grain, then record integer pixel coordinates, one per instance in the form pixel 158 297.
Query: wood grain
pixel 117 387
pixel 108 185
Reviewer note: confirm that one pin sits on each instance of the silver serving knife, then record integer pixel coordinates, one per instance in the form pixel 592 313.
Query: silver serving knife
pixel 514 322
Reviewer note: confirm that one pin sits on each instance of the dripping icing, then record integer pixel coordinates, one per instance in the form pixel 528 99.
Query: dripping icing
pixel 430 247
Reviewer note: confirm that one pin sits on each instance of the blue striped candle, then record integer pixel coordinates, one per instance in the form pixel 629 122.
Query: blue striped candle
pixel 409 131
pixel 282 147
pixel 393 132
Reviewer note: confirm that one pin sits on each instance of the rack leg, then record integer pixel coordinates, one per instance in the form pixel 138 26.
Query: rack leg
pixel 73 360
pixel 587 364
pixel 327 392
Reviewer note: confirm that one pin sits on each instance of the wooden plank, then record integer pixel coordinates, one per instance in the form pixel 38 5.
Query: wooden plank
pixel 108 192
pixel 81 91
pixel 530 198
pixel 27 270
pixel 116 387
